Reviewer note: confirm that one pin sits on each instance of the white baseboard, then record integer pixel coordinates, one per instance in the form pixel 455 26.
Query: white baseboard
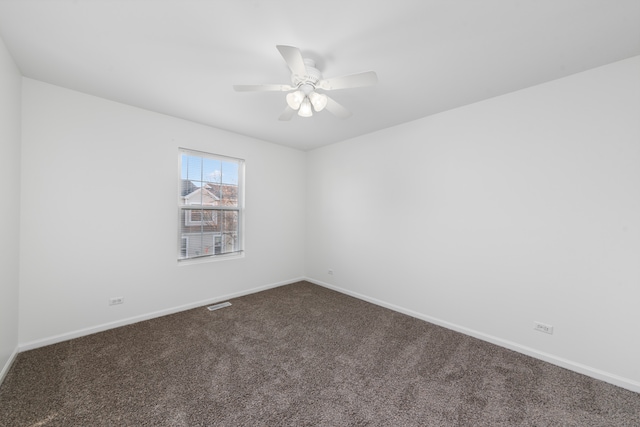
pixel 7 366
pixel 555 360
pixel 111 325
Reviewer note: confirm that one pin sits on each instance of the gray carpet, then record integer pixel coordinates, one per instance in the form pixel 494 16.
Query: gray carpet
pixel 299 355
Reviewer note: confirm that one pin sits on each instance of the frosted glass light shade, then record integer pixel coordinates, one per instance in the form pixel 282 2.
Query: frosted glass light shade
pixel 305 108
pixel 318 100
pixel 294 99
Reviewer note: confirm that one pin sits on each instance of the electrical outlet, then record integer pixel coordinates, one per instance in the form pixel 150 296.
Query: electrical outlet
pixel 330 271
pixel 542 327
pixel 116 300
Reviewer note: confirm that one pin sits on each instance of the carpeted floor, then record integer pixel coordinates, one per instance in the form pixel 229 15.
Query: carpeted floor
pixel 299 355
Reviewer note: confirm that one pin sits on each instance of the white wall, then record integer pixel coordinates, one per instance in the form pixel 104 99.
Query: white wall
pixel 521 208
pixel 10 86
pixel 97 178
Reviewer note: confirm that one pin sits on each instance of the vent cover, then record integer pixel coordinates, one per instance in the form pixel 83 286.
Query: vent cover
pixel 218 306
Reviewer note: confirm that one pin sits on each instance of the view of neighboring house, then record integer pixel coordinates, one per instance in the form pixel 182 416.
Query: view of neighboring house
pixel 209 219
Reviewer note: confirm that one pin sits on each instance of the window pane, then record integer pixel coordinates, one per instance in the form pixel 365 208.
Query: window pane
pixel 214 191
pixel 184 247
pixel 210 219
pixel 207 232
pixel 186 188
pixel 229 231
pixel 212 170
pixel 228 195
pixel 199 245
pixel 191 193
pixel 192 168
pixel 229 172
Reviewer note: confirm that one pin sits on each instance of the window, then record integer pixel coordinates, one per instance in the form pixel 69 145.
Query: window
pixel 184 247
pixel 199 216
pixel 210 205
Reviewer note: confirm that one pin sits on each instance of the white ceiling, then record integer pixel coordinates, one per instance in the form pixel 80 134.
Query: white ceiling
pixel 182 57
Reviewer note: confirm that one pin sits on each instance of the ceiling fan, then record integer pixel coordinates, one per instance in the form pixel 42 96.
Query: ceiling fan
pixel 306 80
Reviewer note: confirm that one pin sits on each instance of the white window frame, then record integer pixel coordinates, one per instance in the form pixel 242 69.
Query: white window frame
pixel 185 208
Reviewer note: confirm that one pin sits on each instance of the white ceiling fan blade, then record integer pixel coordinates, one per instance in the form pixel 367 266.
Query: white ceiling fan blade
pixel 263 88
pixel 287 114
pixel 367 78
pixel 336 109
pixel 293 58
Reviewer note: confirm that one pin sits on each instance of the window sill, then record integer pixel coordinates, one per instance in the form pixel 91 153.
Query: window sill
pixel 212 258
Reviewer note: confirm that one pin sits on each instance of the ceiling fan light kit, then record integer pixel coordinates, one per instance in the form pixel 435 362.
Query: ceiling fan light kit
pixel 303 96
pixel 294 99
pixel 318 100
pixel 305 108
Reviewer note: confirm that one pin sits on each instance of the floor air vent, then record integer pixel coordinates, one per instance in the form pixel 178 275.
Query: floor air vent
pixel 217 306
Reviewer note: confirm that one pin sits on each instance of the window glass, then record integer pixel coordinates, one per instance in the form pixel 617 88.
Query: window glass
pixel 210 204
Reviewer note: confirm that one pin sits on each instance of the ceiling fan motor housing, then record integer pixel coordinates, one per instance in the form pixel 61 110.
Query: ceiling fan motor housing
pixel 312 77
